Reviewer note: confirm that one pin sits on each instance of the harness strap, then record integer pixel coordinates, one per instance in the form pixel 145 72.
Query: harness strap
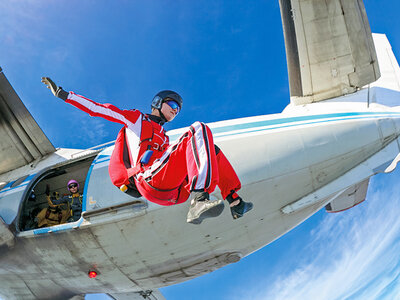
pixel 135 170
pixel 144 160
pixel 147 130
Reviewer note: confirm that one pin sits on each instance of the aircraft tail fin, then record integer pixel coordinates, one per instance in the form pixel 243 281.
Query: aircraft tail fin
pixel 386 90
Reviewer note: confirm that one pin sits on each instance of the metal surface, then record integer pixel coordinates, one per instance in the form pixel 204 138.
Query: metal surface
pixel 6 236
pixel 21 139
pixel 142 295
pixel 349 198
pixel 329 48
pixel 136 247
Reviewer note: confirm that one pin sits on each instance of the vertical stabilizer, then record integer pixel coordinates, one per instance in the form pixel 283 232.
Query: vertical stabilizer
pixel 386 90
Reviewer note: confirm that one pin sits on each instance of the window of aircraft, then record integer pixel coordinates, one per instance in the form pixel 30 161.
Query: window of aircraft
pixel 39 209
pixel 19 181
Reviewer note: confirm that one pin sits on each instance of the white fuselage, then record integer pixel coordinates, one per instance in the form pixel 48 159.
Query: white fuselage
pixel 297 159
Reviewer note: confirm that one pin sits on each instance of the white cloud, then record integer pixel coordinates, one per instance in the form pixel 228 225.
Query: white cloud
pixel 93 130
pixel 350 255
pixel 17 19
pixel 28 30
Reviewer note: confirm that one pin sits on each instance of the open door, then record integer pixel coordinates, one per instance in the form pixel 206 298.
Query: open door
pixel 37 213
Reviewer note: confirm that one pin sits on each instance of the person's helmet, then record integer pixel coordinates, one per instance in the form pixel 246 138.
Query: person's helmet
pixel 72 181
pixel 159 99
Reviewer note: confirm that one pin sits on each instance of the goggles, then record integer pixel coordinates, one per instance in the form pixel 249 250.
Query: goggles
pixel 72 185
pixel 173 105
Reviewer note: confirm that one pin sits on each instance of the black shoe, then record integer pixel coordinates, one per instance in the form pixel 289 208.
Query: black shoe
pixel 239 210
pixel 202 207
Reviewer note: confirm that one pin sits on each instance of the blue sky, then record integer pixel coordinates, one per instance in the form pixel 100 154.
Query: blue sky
pixel 227 60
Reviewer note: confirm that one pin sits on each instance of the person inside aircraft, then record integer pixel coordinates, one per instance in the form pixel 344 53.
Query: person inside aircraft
pixel 73 201
pixel 55 213
pixel 145 163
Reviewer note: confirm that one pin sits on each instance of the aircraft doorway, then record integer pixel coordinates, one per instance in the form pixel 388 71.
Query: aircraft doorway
pixel 48 201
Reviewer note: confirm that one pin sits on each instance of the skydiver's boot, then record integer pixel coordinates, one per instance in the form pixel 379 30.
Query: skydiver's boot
pixel 201 207
pixel 238 206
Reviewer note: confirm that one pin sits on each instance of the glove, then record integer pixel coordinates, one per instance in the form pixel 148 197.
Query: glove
pixel 56 90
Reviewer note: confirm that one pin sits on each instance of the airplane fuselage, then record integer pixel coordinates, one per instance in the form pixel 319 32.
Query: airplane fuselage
pixel 290 166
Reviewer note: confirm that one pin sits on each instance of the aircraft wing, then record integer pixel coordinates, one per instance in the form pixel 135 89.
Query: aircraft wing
pixel 329 48
pixel 349 198
pixel 21 139
pixel 150 295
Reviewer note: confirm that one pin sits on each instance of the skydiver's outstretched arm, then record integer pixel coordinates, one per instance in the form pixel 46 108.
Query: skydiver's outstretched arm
pixel 106 111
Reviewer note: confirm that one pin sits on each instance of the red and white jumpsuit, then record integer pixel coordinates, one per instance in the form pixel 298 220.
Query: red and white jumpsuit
pixel 174 170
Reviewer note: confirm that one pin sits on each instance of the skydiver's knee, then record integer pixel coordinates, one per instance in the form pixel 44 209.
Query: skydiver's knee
pixel 196 124
pixel 199 125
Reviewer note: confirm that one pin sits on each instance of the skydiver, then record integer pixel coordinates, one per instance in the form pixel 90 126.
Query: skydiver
pixel 144 163
pixel 74 201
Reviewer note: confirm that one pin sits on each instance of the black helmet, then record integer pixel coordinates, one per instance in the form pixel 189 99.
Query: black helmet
pixel 161 96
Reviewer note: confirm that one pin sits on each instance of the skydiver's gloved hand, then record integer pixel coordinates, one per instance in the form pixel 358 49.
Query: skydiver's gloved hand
pixel 56 90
